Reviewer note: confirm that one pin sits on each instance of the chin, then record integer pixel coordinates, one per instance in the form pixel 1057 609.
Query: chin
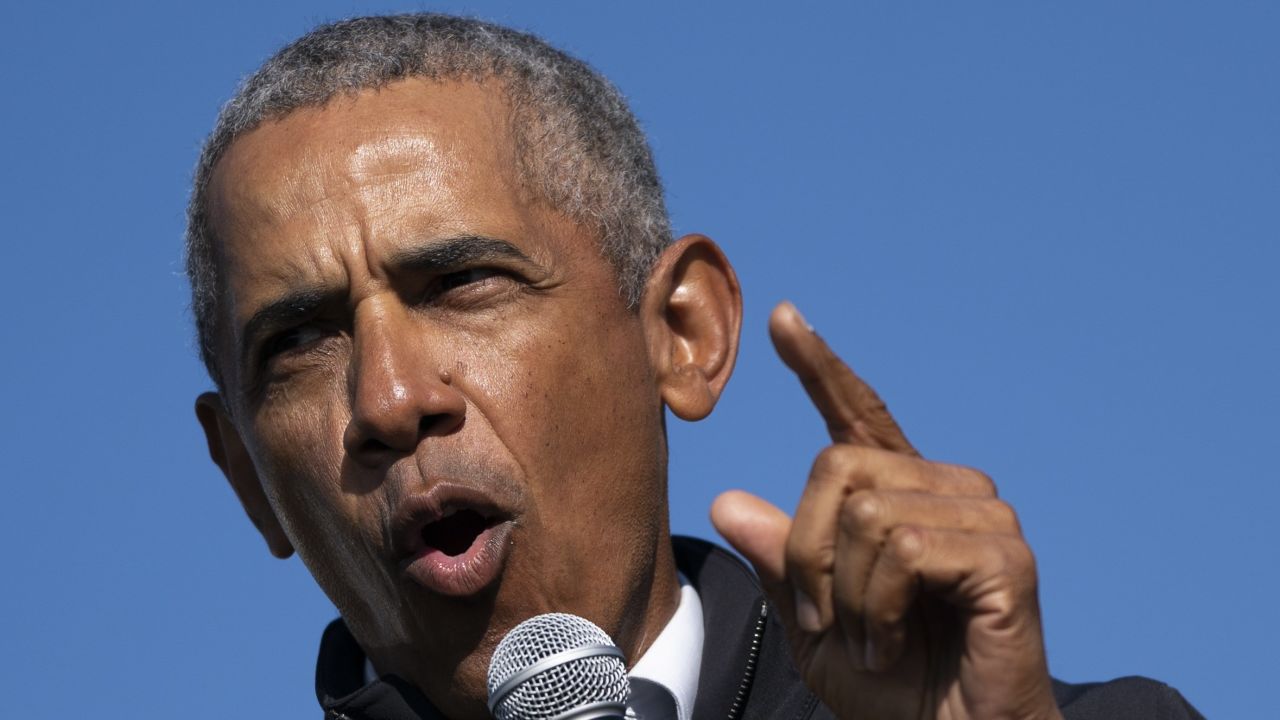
pixel 460 692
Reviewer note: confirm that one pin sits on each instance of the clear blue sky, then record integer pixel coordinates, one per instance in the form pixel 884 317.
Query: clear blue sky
pixel 1049 234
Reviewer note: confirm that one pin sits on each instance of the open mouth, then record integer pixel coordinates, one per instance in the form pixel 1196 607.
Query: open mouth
pixel 456 532
pixel 453 539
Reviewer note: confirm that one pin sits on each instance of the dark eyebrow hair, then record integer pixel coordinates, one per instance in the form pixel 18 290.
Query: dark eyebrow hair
pixel 435 256
pixel 283 311
pixel 454 252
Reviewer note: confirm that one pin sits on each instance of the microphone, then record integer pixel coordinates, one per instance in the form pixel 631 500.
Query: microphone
pixel 557 666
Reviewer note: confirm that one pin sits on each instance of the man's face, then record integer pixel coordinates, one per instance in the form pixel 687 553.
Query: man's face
pixel 449 408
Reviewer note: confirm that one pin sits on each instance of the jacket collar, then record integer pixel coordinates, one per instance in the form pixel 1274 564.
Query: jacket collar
pixel 743 648
pixel 342 692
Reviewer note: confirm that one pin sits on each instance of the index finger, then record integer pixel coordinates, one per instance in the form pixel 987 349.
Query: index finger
pixel 854 413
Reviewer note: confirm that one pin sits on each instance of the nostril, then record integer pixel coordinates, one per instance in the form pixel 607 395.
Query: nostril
pixel 373 446
pixel 439 424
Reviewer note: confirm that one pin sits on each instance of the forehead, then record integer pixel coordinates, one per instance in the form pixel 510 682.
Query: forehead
pixel 383 146
pixel 321 196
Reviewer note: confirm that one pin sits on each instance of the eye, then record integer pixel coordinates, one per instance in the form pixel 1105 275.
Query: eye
pixel 462 278
pixel 291 339
pixel 471 288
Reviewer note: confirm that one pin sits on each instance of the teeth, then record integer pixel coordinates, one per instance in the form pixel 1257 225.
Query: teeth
pixel 447 512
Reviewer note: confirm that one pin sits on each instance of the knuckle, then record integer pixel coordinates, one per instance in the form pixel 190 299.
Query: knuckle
pixel 828 463
pixel 980 482
pixel 842 464
pixel 863 512
pixel 1003 602
pixel 1019 560
pixel 1013 561
pixel 1013 590
pixel 906 544
pixel 1006 517
pixel 837 459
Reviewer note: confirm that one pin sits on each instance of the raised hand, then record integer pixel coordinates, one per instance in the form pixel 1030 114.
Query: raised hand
pixel 905 585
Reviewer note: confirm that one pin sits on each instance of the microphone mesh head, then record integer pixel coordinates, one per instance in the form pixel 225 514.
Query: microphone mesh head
pixel 560 686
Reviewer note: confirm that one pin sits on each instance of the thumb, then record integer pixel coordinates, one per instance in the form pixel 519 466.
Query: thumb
pixel 758 530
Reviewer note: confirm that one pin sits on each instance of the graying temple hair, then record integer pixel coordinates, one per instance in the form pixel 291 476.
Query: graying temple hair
pixel 580 148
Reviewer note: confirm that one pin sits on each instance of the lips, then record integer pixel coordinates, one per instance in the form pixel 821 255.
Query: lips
pixel 452 540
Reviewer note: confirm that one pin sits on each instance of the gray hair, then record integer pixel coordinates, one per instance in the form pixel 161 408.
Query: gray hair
pixel 579 147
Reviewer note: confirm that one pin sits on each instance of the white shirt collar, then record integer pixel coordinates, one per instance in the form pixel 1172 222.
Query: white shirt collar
pixel 673 661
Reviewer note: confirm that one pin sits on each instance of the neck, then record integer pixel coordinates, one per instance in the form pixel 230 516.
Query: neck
pixel 653 604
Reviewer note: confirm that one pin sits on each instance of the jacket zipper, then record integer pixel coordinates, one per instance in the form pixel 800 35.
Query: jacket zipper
pixel 740 699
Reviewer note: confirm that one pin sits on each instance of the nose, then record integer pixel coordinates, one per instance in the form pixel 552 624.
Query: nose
pixel 399 394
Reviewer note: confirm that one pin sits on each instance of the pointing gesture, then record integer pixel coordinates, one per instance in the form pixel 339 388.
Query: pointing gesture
pixel 855 415
pixel 905 585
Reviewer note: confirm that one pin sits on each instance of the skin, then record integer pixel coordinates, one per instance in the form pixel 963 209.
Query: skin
pixel 527 379
pixel 905 586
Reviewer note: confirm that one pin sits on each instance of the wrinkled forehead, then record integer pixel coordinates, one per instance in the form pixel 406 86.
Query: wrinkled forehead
pixel 413 134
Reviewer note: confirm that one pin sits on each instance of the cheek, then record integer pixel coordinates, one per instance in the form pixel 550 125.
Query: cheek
pixel 300 456
pixel 578 408
pixel 337 534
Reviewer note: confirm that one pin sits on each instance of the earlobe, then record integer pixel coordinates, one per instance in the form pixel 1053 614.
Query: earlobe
pixel 228 452
pixel 693 315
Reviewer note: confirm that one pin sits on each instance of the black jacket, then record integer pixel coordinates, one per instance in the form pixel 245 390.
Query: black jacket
pixel 747 673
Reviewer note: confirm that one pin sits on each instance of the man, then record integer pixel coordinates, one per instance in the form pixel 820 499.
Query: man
pixel 435 286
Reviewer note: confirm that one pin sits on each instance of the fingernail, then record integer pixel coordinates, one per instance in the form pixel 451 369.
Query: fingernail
pixel 807 613
pixel 800 316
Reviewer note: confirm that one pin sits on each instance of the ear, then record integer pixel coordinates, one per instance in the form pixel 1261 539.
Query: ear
pixel 692 313
pixel 229 454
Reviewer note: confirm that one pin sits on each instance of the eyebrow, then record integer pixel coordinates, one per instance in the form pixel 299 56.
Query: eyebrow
pixel 443 255
pixel 433 257
pixel 282 312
